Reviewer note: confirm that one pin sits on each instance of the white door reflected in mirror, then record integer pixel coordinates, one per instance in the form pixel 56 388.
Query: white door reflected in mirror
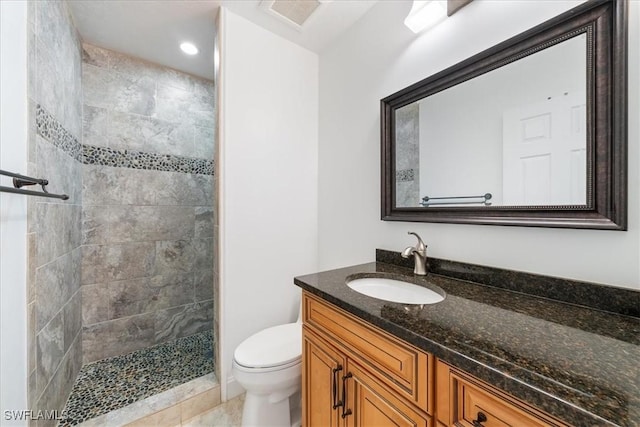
pixel 544 153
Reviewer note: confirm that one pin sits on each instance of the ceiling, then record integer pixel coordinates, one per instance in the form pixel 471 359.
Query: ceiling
pixel 153 29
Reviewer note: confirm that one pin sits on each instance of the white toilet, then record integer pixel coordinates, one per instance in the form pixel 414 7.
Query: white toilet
pixel 268 366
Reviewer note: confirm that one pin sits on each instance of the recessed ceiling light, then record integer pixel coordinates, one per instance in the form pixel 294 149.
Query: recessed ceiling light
pixel 189 48
pixel 425 14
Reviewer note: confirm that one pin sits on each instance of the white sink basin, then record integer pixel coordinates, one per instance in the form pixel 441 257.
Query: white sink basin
pixel 394 290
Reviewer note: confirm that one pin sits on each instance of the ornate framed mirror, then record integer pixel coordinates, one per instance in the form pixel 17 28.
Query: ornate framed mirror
pixel 531 132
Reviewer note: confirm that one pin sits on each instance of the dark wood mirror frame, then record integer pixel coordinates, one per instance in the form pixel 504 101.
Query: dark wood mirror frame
pixel 605 23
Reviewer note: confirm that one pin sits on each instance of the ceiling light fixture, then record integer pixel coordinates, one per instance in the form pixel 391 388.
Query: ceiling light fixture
pixel 189 48
pixel 425 14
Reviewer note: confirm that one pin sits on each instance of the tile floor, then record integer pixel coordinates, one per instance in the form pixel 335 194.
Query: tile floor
pixel 117 382
pixel 228 414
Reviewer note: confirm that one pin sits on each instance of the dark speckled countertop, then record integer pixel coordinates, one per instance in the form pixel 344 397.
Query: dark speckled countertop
pixel 578 363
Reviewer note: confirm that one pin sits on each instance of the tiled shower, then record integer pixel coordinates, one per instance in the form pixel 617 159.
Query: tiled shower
pixel 125 269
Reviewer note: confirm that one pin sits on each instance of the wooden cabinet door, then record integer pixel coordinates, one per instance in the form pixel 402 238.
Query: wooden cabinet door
pixel 371 404
pixel 400 366
pixel 322 370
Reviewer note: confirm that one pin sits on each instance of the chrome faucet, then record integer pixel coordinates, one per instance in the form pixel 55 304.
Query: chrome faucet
pixel 419 253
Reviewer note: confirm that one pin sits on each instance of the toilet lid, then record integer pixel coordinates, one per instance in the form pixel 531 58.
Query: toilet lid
pixel 274 346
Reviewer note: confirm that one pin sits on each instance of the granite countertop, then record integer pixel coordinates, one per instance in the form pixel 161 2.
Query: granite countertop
pixel 578 363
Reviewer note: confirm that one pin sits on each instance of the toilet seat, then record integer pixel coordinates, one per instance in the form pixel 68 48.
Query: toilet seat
pixel 274 348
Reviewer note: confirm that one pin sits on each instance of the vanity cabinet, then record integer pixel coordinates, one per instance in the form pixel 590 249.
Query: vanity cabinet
pixel 357 375
pixel 465 401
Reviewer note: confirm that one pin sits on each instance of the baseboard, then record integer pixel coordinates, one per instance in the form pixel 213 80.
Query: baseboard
pixel 233 388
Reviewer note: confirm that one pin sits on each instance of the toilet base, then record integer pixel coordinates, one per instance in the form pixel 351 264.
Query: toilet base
pixel 260 411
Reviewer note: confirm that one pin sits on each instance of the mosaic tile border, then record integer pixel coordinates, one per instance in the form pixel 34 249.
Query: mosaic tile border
pixel 116 382
pixel 50 129
pixel 405 175
pixel 103 156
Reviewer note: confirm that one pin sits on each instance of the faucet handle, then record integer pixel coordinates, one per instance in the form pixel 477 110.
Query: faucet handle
pixel 420 246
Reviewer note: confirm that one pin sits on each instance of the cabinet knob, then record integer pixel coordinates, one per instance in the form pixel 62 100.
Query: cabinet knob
pixel 480 419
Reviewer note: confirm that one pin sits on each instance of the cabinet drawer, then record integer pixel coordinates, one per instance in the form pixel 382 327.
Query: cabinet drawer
pixel 398 364
pixel 470 397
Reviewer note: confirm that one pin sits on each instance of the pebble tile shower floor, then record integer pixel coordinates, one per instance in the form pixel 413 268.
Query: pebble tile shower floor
pixel 116 382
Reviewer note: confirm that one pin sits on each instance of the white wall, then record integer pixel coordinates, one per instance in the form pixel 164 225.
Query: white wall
pixel 13 210
pixel 380 56
pixel 268 180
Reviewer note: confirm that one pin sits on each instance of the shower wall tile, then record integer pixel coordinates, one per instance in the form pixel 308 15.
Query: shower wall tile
pixel 56 283
pixel 63 173
pixel 50 350
pixel 204 222
pixel 72 312
pixel 147 218
pixel 202 142
pixel 57 392
pixel 204 253
pixel 126 64
pixel 175 256
pixel 95 304
pixel 31 337
pixel 101 186
pixel 117 337
pixel 32 389
pixel 149 134
pixel 54 239
pixel 203 284
pixel 95 225
pixel 119 92
pixel 31 266
pixel 174 78
pixel 105 128
pixel 165 76
pixel 31 90
pixel 202 87
pixel 130 297
pixel 186 106
pixel 57 64
pixel 59 230
pixel 106 263
pixel 62 41
pixel 122 223
pixel 183 321
pixel 95 126
pixel 104 185
pixel 150 223
pixel 185 189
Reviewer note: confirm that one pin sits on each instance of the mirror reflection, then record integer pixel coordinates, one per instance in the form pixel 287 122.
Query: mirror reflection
pixel 515 136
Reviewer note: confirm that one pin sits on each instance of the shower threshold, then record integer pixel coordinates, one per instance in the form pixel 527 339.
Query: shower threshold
pixel 129 381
